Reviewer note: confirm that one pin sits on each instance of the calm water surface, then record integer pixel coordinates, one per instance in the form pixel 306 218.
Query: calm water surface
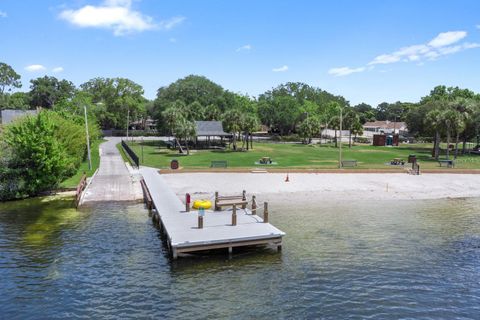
pixel 382 260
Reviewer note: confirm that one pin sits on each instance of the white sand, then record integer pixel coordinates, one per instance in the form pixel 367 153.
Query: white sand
pixel 328 185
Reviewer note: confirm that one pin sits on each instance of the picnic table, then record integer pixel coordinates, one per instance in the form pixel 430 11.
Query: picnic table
pixel 397 162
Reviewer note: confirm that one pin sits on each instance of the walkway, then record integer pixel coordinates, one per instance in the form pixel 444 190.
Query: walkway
pixel 113 181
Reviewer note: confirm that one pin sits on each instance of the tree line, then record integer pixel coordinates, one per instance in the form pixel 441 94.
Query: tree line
pixel 444 115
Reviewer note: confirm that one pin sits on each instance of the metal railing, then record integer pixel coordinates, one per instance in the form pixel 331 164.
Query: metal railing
pixel 131 154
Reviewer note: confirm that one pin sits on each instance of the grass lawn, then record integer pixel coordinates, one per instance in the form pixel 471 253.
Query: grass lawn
pixel 72 182
pixel 300 156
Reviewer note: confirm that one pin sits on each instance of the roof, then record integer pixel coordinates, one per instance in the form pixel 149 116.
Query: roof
pixel 10 115
pixel 210 128
pixel 385 124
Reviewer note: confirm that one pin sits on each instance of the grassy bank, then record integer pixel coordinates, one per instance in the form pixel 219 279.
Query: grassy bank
pixel 155 154
pixel 73 181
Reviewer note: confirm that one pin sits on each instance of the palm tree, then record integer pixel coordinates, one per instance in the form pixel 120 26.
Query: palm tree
pixel 184 129
pixel 232 120
pixel 434 120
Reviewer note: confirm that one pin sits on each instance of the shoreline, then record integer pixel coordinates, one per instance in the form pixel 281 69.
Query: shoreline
pixel 328 186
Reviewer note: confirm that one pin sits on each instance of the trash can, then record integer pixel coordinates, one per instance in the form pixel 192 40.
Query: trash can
pixel 412 158
pixel 174 164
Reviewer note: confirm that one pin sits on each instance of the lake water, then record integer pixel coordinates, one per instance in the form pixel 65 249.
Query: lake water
pixel 380 260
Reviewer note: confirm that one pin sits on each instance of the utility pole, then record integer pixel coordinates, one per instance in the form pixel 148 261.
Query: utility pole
pixel 340 150
pixel 88 139
pixel 128 120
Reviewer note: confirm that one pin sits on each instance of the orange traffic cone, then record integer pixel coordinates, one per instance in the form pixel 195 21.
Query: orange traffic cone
pixel 287 179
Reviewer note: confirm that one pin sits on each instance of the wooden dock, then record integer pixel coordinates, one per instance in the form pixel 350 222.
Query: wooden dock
pixel 181 227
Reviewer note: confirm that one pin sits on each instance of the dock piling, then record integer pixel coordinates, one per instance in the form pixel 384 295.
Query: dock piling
pixel 265 212
pixel 216 201
pixel 244 198
pixel 234 215
pixel 187 202
pixel 200 222
pixel 254 205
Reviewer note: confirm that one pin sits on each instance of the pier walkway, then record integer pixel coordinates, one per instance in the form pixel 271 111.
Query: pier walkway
pixel 182 230
pixel 113 181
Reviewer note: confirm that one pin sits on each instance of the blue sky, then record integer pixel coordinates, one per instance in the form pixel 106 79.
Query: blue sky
pixel 367 51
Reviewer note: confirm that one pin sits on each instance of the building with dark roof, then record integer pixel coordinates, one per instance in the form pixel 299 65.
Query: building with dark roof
pixel 10 115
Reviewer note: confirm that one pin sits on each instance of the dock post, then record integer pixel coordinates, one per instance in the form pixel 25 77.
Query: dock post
pixel 216 201
pixel 265 212
pixel 187 202
pixel 244 198
pixel 200 222
pixel 254 205
pixel 234 215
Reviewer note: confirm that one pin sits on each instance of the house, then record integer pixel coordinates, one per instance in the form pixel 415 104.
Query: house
pixel 10 115
pixel 388 127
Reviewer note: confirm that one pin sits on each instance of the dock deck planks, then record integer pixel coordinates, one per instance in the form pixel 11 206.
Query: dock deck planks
pixel 181 227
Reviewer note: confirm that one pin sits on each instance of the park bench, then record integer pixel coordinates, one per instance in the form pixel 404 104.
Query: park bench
pixel 218 164
pixel 349 163
pixel 448 163
pixel 230 201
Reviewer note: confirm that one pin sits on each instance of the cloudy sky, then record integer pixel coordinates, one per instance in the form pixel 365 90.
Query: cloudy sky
pixel 368 51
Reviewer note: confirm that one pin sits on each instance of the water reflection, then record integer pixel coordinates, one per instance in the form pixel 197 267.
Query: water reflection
pixel 388 259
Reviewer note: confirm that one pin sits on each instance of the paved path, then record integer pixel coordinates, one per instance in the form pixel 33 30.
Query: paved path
pixel 113 181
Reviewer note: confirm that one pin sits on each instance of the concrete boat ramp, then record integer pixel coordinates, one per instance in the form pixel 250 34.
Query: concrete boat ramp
pixel 181 227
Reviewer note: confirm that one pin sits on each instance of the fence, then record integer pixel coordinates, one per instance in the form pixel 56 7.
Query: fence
pixel 81 186
pixel 132 154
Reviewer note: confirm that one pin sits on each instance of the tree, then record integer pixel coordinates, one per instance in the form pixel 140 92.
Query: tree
pixel 119 97
pixel 308 128
pixel 249 123
pixel 232 122
pixel 47 91
pixel 356 129
pixel 434 119
pixel 365 112
pixel 8 78
pixel 184 130
pixel 44 150
pixel 171 115
pixel 392 111
pixel 17 100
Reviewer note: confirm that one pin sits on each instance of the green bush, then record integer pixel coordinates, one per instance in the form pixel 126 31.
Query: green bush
pixel 39 152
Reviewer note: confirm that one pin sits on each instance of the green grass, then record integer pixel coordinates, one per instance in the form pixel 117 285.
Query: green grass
pixel 73 181
pixel 299 156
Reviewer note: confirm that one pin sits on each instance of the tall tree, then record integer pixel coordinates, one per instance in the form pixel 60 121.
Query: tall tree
pixel 8 78
pixel 45 92
pixel 119 97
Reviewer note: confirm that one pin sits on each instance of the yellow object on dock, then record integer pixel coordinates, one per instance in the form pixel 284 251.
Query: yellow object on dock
pixel 205 204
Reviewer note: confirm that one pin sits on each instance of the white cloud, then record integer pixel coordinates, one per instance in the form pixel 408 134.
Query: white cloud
pixel 171 23
pixel 441 45
pixel 35 68
pixel 57 69
pixel 445 43
pixel 344 71
pixel 116 15
pixel 447 38
pixel 280 69
pixel 3 14
pixel 246 47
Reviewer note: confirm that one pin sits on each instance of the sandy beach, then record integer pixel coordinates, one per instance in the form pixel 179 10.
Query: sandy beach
pixel 327 186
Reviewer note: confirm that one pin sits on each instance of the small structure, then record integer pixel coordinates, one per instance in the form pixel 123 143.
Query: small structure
pixel 207 131
pixel 385 140
pixel 10 115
